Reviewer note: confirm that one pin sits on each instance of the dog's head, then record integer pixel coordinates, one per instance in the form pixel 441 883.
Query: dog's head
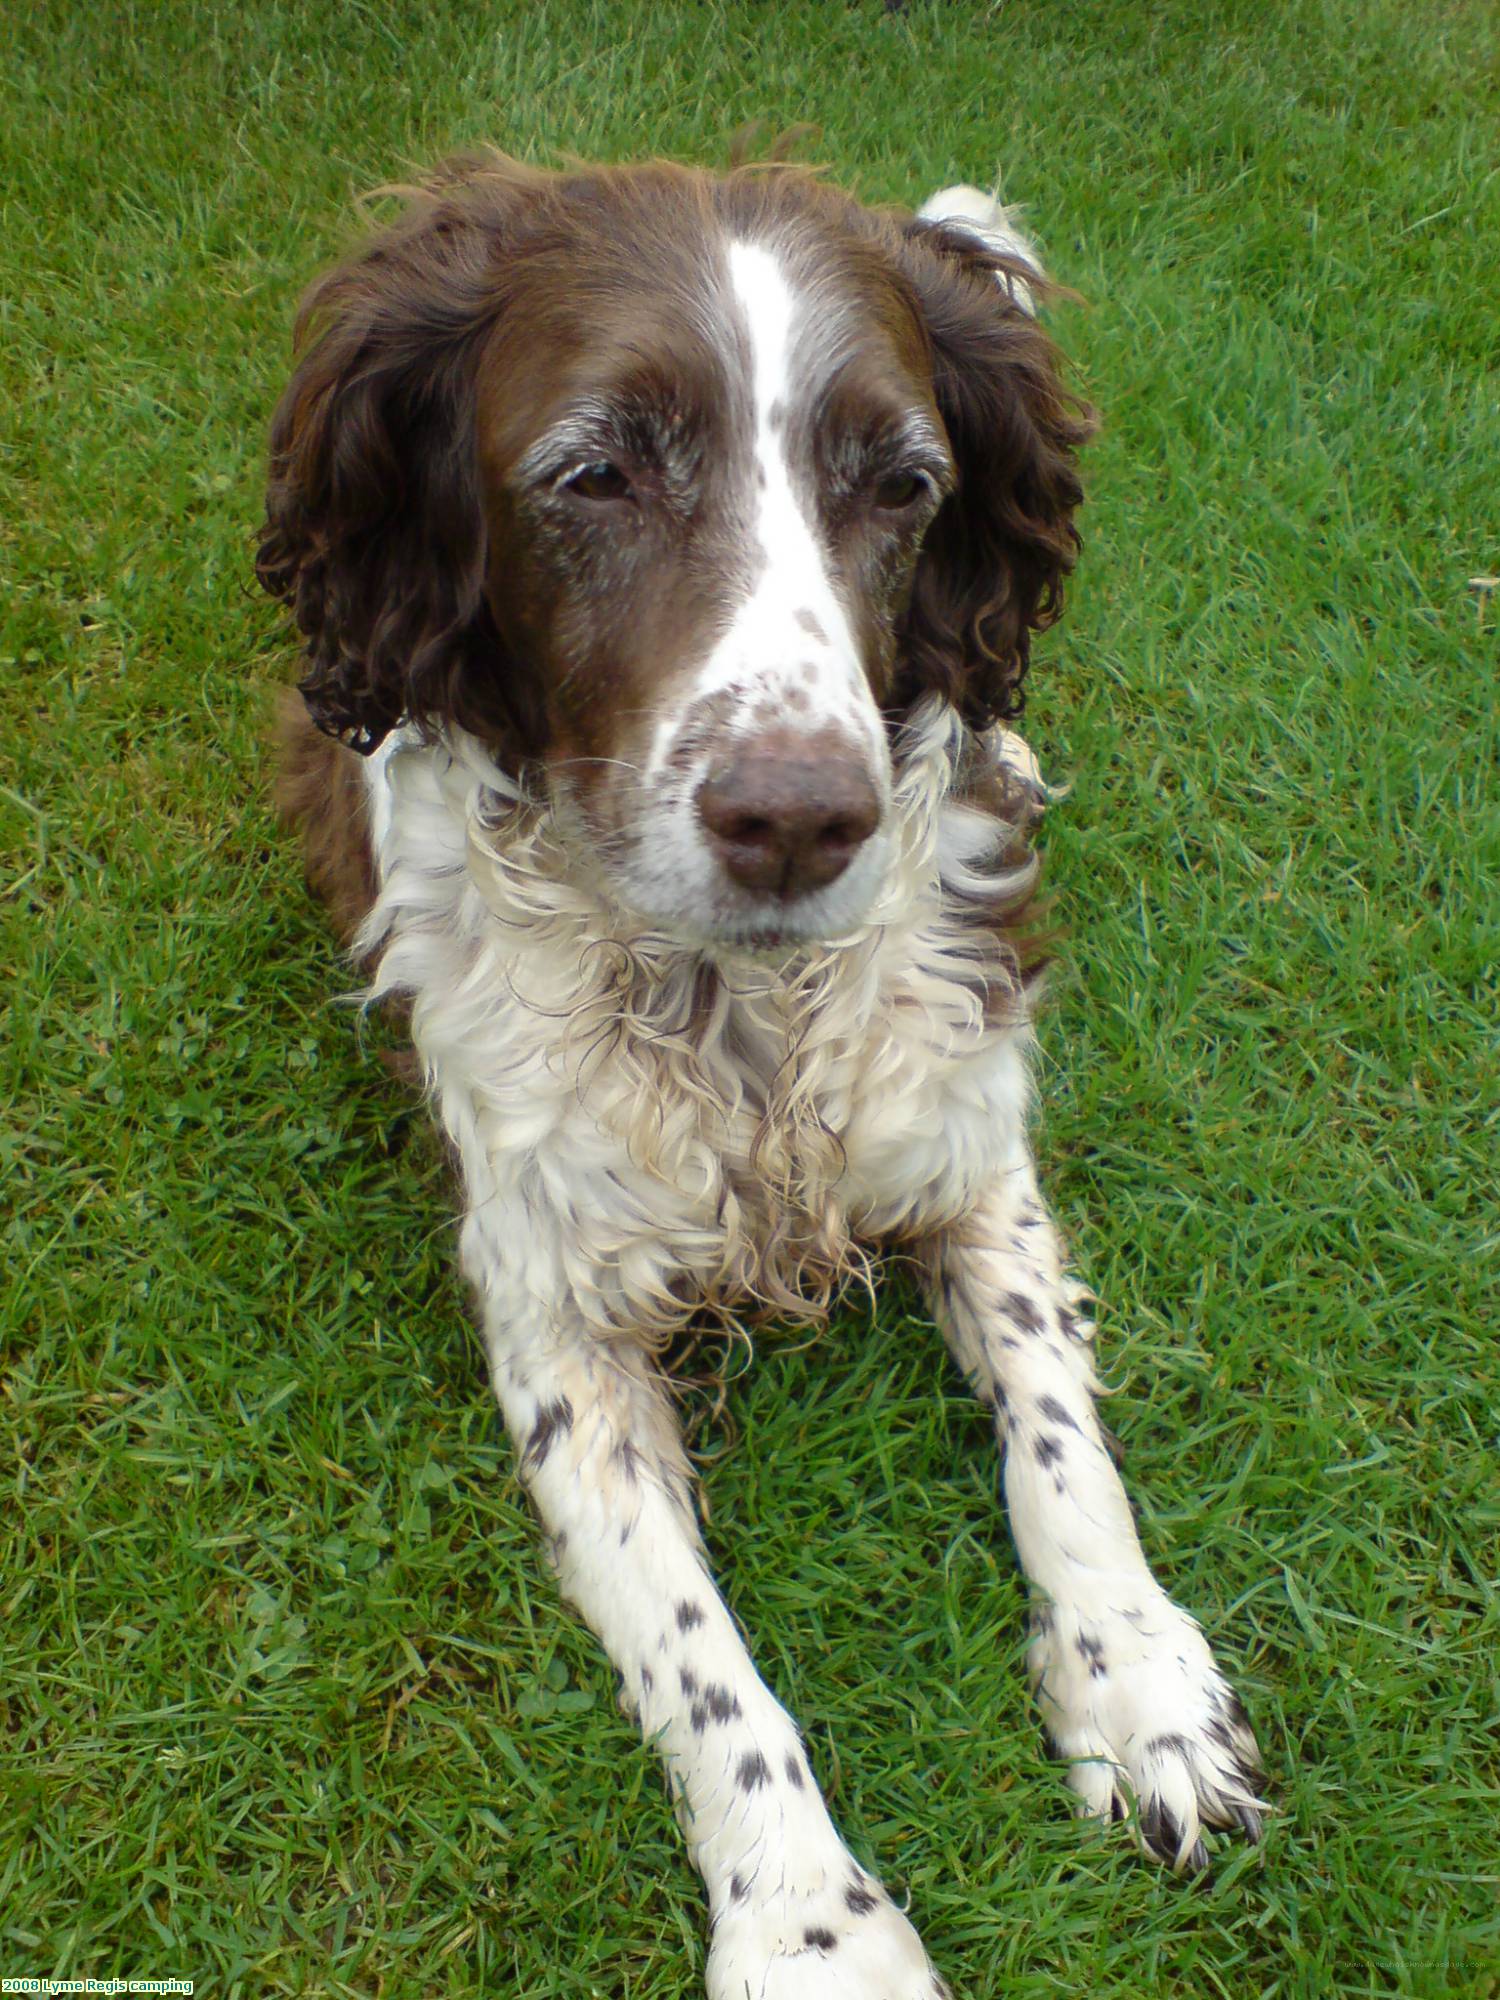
pixel 679 488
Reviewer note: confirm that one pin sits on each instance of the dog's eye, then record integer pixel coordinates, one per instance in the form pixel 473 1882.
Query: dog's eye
pixel 900 490
pixel 601 481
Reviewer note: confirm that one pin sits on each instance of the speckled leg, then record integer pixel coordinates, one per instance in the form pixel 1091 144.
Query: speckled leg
pixel 1127 1686
pixel 794 1917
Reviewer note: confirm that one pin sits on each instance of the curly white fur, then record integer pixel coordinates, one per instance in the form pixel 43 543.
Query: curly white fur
pixel 646 1127
pixel 664 1114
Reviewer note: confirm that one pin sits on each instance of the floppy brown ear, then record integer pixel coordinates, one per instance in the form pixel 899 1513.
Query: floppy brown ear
pixel 992 566
pixel 375 533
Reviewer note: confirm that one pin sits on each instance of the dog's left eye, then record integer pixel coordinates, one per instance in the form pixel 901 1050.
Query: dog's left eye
pixel 600 481
pixel 900 490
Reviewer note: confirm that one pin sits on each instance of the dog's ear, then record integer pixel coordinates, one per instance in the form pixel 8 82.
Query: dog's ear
pixel 992 566
pixel 375 532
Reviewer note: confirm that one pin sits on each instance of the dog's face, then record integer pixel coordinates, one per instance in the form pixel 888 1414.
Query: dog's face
pixel 706 474
pixel 680 489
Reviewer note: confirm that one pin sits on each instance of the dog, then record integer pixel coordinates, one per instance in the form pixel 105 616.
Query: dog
pixel 667 548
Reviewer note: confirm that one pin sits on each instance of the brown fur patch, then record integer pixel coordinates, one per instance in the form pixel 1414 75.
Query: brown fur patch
pixel 320 792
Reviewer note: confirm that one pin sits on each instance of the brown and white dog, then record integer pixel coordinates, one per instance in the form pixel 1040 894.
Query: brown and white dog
pixel 669 546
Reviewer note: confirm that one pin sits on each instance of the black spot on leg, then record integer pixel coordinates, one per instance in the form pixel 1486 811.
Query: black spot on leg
pixel 687 1680
pixel 722 1703
pixel 819 1939
pixel 738 1889
pixel 553 1420
pixel 1056 1412
pixel 1170 1746
pixel 859 1899
pixel 648 1680
pixel 1048 1450
pixel 794 1770
pixel 698 1718
pixel 810 623
pixel 753 1771
pixel 689 1615
pixel 1092 1652
pixel 1021 1311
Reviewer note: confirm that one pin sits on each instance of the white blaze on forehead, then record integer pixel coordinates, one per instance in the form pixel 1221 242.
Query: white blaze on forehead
pixel 791 635
pixel 761 287
pixel 796 572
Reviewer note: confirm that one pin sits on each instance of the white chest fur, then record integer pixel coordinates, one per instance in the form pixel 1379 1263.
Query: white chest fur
pixel 643 1128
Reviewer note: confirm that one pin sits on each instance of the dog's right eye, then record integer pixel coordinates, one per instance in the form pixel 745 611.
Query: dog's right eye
pixel 900 490
pixel 601 481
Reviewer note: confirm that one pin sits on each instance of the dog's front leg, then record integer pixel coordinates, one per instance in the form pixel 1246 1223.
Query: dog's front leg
pixel 1127 1686
pixel 794 1918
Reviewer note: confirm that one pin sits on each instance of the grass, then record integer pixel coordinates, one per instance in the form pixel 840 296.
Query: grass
pixel 288 1706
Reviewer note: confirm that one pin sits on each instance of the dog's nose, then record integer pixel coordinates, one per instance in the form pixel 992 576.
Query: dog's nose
pixel 785 819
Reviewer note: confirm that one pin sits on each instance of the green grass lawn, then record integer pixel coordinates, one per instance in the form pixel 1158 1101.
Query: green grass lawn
pixel 288 1706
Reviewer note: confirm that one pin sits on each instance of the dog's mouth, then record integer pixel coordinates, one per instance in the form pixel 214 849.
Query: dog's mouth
pixel 765 943
pixel 766 940
pixel 761 941
pixel 752 927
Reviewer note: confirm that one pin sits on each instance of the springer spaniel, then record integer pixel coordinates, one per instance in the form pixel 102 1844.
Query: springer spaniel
pixel 667 548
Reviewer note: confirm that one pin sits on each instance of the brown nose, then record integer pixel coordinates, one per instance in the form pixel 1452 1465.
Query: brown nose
pixel 785 821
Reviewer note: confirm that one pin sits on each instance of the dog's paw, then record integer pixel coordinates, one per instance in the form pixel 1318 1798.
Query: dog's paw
pixel 1148 1725
pixel 845 1942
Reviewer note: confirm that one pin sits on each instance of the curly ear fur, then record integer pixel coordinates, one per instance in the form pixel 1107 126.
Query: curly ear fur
pixel 992 567
pixel 374 531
